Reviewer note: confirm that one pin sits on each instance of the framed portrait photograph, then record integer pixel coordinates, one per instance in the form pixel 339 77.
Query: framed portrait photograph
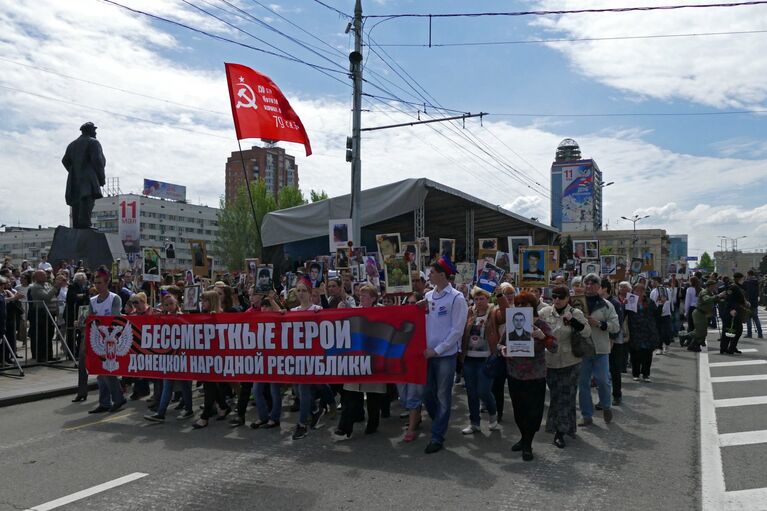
pixel 188 278
pixel 264 278
pixel 579 249
pixel 250 269
pixel 489 277
pixel 358 255
pixel 579 302
pixel 199 257
pixel 340 233
pixel 192 298
pixel 632 301
pixel 534 260
pixel 342 258
pixel 82 315
pixel 315 271
pixel 503 261
pixel 465 274
pixel 423 246
pixel 447 248
pixel 608 264
pixel 636 265
pixel 388 245
pixel 590 267
pixel 488 244
pixel 519 332
pixel 411 253
pixel 592 249
pixel 516 243
pixel 553 258
pixel 151 270
pixel 397 275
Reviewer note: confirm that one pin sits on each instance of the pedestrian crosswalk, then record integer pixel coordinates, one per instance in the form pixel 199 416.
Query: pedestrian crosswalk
pixel 733 416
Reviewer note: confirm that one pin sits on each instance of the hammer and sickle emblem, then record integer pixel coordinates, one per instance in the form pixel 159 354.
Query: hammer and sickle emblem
pixel 247 95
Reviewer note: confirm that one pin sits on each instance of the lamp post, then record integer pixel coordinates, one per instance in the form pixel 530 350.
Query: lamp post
pixel 734 249
pixel 634 220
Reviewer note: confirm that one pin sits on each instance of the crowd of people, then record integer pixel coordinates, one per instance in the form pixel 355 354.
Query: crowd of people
pixel 587 332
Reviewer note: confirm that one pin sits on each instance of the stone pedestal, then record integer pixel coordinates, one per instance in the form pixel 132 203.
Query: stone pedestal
pixel 88 245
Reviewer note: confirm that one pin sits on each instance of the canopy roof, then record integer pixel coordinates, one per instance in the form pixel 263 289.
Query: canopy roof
pixel 389 208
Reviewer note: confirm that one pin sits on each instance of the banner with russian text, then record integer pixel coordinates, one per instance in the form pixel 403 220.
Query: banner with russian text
pixel 369 345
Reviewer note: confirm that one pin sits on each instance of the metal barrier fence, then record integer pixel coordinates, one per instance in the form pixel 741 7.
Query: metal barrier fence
pixel 37 334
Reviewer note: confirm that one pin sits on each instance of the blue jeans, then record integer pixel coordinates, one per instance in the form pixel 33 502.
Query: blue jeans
pixel 675 323
pixel 755 318
pixel 263 410
pixel 599 365
pixel 110 392
pixel 478 386
pixel 167 393
pixel 306 398
pixel 438 394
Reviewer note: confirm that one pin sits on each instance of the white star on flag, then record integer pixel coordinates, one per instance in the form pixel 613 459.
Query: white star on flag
pixel 242 79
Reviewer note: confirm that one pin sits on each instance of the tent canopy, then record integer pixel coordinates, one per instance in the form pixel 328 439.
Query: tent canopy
pixel 391 208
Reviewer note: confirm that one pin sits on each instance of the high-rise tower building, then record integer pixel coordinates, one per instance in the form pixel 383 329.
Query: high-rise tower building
pixel 272 164
pixel 576 190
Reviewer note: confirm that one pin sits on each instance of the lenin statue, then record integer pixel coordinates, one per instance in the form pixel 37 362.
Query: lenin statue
pixel 84 161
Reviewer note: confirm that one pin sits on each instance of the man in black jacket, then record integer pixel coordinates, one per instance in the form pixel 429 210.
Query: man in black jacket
pixel 731 311
pixel 751 287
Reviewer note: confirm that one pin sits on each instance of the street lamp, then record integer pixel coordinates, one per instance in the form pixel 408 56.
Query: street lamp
pixel 634 220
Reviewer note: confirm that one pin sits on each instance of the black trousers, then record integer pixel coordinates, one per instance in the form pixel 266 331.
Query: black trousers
pixel 81 213
pixel 527 398
pixel 499 389
pixel 40 333
pixel 690 321
pixel 214 395
pixel 729 344
pixel 354 406
pixel 641 360
pixel 616 368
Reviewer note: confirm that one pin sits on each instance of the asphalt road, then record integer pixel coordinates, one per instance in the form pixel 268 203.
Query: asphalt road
pixel 648 458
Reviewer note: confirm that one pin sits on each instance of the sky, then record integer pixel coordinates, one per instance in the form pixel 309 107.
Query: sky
pixel 654 106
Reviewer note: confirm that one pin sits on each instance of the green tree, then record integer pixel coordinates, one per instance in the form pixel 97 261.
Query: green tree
pixel 565 249
pixel 238 237
pixel 317 196
pixel 290 196
pixel 706 263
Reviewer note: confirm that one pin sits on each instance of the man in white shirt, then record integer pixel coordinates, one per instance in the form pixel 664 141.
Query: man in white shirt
pixel 445 322
pixel 44 264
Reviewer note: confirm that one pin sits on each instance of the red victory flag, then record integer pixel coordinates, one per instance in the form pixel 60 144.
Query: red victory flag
pixel 260 110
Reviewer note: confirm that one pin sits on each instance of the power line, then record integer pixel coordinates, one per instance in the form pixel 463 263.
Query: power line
pixel 633 114
pixel 333 9
pixel 568 11
pixel 567 40
pixel 220 38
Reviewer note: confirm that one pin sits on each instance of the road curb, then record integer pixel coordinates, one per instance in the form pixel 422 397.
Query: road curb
pixel 38 396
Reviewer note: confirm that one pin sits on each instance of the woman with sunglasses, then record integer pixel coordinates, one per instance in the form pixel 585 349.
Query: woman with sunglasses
pixel 563 368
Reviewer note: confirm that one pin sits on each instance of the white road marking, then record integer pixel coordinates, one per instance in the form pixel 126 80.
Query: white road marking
pixel 740 401
pixel 88 492
pixel 738 363
pixel 712 477
pixel 743 438
pixel 745 500
pixel 732 379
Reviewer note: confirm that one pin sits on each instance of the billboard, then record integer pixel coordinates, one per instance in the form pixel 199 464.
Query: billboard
pixel 162 190
pixel 578 205
pixel 129 226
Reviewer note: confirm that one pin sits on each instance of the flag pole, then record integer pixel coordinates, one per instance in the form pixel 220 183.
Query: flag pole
pixel 252 205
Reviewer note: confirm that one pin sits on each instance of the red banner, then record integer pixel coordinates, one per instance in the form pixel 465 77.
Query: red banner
pixel 260 110
pixel 370 345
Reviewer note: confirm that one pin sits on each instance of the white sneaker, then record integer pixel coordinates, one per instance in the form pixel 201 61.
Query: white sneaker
pixel 470 429
pixel 665 350
pixel 494 426
pixel 636 378
pixel 646 380
pixel 659 352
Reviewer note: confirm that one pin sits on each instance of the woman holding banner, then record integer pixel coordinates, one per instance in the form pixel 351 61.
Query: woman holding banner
pixel 307 410
pixel 211 304
pixel 169 305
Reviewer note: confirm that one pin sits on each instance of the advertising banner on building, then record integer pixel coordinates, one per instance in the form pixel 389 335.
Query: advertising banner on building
pixel 129 225
pixel 162 190
pixel 577 197
pixel 370 345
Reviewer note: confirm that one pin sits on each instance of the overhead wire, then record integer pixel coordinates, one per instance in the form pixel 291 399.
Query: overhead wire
pixel 333 9
pixel 559 12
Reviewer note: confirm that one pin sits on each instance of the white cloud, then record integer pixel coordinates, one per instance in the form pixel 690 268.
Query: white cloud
pixel 136 55
pixel 723 71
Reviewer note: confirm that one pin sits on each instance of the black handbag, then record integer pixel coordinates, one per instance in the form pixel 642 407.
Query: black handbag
pixel 495 366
